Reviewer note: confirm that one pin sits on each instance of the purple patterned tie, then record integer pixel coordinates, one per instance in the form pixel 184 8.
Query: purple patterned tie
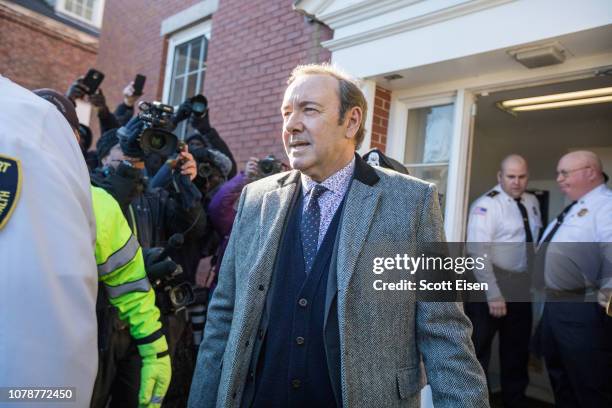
pixel 310 226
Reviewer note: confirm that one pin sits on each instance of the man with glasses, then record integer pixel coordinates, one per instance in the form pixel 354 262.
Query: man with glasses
pixel 576 333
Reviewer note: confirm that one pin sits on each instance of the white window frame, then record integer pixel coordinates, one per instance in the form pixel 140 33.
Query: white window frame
pixel 456 197
pixel 181 37
pixel 97 14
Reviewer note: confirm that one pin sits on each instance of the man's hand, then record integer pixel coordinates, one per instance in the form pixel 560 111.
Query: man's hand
pixel 155 377
pixel 182 113
pixel 77 90
pixel 155 373
pixel 251 170
pixel 188 167
pixel 129 98
pixel 98 101
pixel 497 307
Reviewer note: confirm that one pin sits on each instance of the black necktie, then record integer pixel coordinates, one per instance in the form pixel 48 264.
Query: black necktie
pixel 310 226
pixel 538 275
pixel 560 219
pixel 523 210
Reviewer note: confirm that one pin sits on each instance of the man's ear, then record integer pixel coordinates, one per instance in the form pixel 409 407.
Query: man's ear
pixel 499 177
pixel 353 117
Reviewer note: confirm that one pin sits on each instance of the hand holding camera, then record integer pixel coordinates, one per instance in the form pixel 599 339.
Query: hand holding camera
pixel 187 163
pixel 251 169
pixel 98 100
pixel 77 90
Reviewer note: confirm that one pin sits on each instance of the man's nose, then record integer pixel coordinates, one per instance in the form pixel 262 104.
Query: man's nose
pixel 560 177
pixel 293 123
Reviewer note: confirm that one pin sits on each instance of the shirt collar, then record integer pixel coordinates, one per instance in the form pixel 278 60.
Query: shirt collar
pixel 506 195
pixel 337 183
pixel 593 193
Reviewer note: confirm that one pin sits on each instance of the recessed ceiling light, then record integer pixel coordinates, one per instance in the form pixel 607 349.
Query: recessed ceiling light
pixel 560 100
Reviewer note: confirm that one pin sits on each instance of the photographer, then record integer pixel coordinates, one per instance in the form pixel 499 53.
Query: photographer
pixel 196 110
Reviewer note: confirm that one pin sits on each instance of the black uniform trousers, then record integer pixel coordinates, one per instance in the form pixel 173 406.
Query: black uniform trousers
pixel 577 346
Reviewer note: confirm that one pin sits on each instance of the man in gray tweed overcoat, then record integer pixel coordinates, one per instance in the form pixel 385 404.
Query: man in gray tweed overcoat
pixel 294 321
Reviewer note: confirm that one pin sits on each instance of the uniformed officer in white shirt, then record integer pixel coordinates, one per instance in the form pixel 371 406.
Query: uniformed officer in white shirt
pixel 576 337
pixel 48 335
pixel 504 224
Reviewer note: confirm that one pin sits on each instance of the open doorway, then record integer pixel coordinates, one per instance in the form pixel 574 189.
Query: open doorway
pixel 542 137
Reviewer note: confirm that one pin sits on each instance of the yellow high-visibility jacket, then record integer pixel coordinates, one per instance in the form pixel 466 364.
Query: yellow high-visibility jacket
pixel 121 270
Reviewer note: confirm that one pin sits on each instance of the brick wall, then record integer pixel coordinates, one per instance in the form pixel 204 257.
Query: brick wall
pixel 254 46
pixel 130 44
pixel 37 56
pixel 380 121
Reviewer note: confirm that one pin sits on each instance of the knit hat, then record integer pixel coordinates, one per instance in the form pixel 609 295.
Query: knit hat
pixel 106 143
pixel 62 104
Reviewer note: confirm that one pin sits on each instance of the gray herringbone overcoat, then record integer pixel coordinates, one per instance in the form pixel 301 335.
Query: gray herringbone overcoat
pixel 383 335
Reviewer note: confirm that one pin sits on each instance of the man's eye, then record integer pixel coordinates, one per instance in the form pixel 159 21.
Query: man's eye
pixel 285 114
pixel 308 109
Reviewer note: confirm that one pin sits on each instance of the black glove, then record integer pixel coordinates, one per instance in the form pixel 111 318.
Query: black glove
pixel 129 137
pixel 182 113
pixel 98 100
pixel 77 90
pixel 158 265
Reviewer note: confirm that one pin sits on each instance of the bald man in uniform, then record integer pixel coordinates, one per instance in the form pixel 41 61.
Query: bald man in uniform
pixel 576 333
pixel 504 224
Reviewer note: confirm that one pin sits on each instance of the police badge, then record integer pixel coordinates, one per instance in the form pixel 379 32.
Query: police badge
pixel 10 187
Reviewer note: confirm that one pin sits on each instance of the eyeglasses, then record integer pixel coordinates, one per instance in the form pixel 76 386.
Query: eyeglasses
pixel 565 173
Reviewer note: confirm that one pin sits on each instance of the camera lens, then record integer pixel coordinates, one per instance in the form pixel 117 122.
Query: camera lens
pixel 204 170
pixel 158 142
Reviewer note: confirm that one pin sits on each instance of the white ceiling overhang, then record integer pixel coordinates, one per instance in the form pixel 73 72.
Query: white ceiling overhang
pixel 377 37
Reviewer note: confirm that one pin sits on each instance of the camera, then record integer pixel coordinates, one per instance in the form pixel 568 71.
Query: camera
pixel 185 294
pixel 163 273
pixel 156 136
pixel 199 105
pixel 269 165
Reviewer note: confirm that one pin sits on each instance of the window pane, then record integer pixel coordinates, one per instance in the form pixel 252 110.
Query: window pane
pixel 194 61
pixel 69 5
pixel 78 8
pixel 191 85
pixel 176 96
pixel 88 13
pixel 180 58
pixel 428 136
pixel 187 76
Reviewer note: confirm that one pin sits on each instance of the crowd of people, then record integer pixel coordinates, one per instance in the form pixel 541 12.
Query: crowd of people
pixel 217 288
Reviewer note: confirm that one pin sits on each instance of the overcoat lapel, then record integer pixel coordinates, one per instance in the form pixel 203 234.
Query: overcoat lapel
pixel 360 208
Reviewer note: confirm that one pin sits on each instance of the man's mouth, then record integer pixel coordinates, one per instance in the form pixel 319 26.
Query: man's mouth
pixel 298 144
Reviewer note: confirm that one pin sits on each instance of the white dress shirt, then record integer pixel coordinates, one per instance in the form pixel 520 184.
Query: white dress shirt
pixel 496 228
pixel 588 264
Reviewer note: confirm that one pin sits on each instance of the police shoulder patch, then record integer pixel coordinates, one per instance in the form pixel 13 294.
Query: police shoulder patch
pixel 10 187
pixel 492 193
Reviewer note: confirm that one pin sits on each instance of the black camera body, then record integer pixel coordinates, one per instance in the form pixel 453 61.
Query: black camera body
pixel 269 165
pixel 199 105
pixel 156 136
